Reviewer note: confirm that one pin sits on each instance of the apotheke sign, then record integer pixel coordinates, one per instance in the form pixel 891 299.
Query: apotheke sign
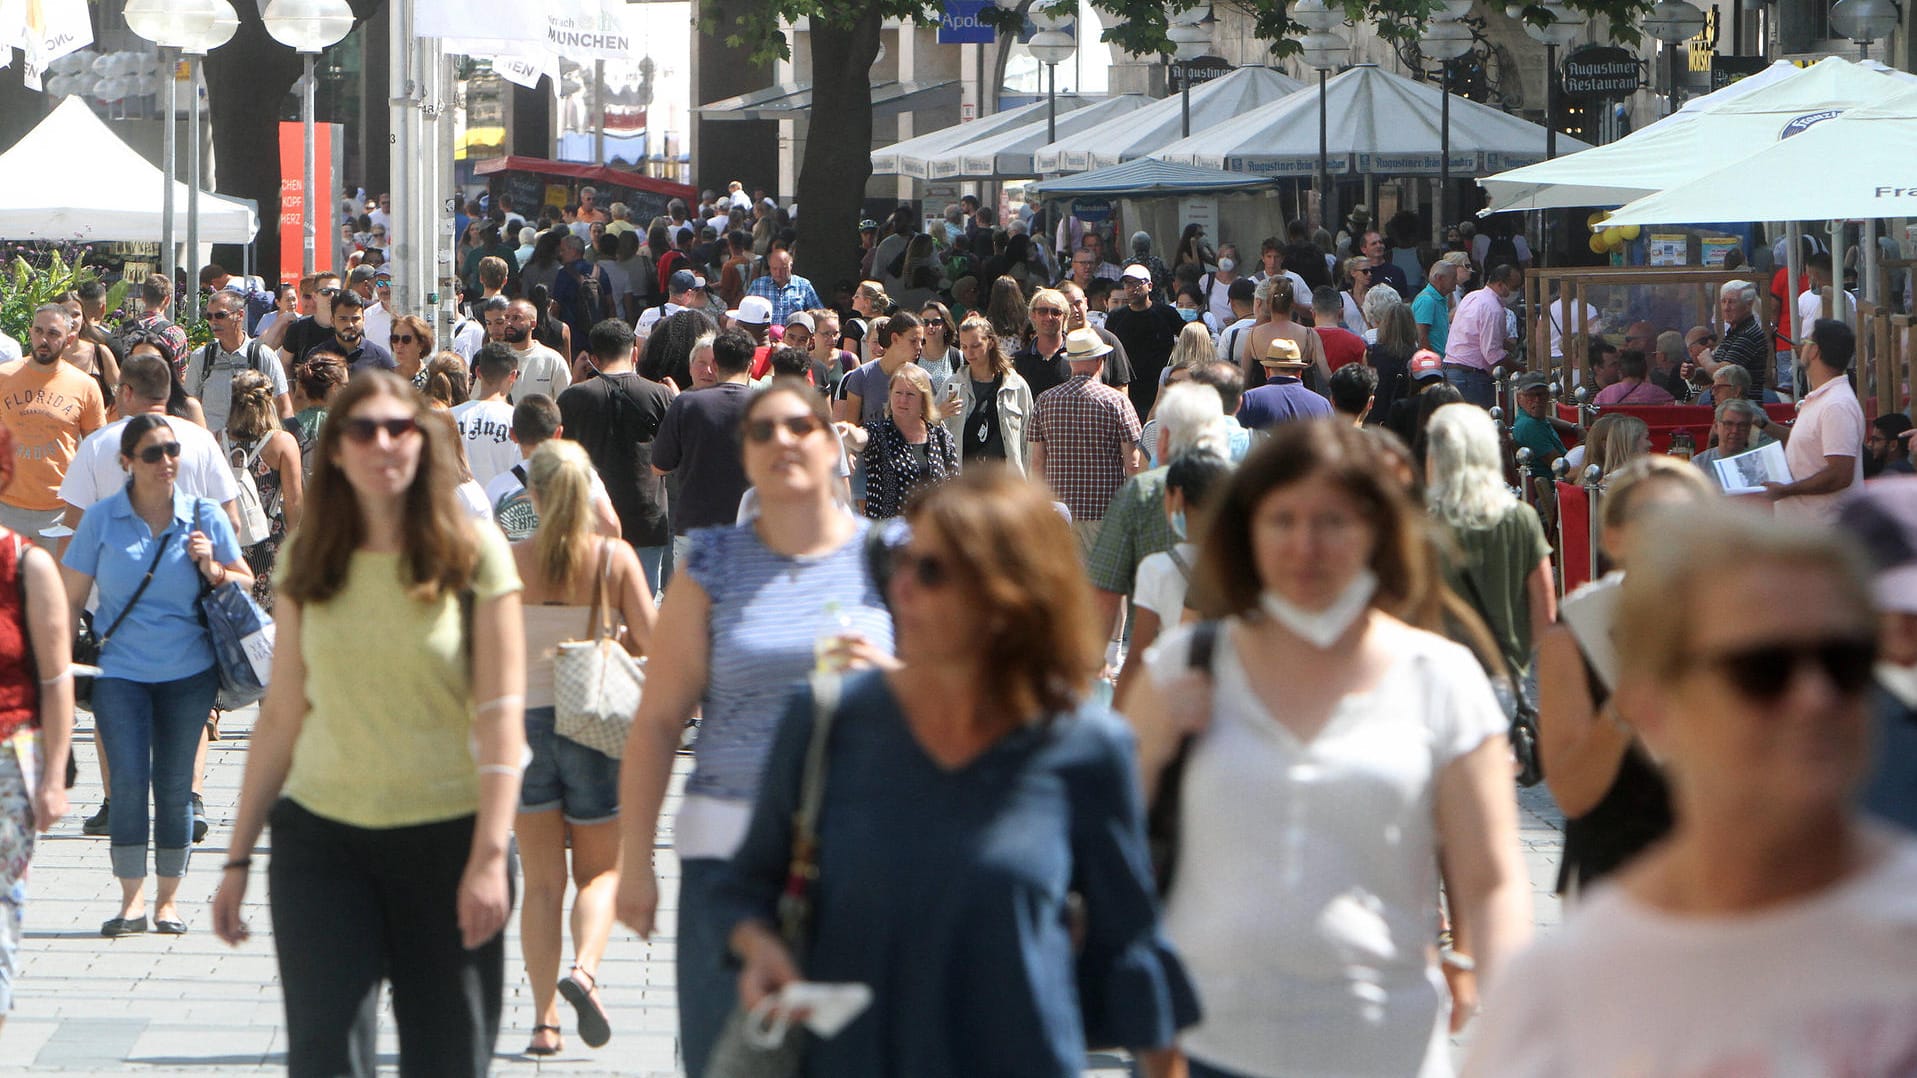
pixel 1601 72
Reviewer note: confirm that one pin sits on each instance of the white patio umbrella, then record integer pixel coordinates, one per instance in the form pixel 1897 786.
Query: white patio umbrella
pixel 913 157
pixel 1378 122
pixel 1136 135
pixel 1008 154
pixel 1657 159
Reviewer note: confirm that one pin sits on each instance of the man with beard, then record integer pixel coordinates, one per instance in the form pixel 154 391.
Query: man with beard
pixel 349 337
pixel 315 329
pixel 49 405
pixel 541 370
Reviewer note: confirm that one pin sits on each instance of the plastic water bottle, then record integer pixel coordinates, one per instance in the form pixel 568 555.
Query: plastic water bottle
pixel 827 658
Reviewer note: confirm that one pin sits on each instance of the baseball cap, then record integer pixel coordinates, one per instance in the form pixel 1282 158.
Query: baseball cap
pixel 1534 380
pixel 800 318
pixel 684 281
pixel 753 310
pixel 1426 365
pixel 868 225
pixel 1136 272
pixel 1283 352
pixel 361 274
pixel 1883 517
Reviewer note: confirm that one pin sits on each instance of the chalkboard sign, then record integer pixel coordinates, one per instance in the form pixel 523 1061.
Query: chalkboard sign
pixel 526 189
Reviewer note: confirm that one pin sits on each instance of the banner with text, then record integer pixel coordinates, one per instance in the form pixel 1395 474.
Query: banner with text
pixel 293 202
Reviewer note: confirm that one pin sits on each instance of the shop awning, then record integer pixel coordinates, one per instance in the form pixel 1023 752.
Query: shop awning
pixel 792 100
pixel 1148 176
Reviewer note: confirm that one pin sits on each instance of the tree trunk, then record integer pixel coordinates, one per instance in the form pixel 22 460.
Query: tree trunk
pixel 838 150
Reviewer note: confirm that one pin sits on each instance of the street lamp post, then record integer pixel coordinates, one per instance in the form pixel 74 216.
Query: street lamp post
pixel 1445 41
pixel 225 24
pixel 1190 42
pixel 1865 21
pixel 1674 22
pixel 1052 48
pixel 172 25
pixel 1322 49
pixel 308 27
pixel 1566 26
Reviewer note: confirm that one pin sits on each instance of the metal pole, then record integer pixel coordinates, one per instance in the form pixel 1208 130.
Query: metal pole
pixel 1185 71
pixel 404 186
pixel 599 110
pixel 447 244
pixel 168 156
pixel 1444 152
pixel 1550 101
pixel 1051 105
pixel 1324 150
pixel 1677 97
pixel 309 204
pixel 191 308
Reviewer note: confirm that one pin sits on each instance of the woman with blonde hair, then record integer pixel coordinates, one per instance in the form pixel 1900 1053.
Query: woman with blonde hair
pixel 449 382
pixel 253 441
pixel 1357 270
pixel 389 760
pixel 994 401
pixel 1628 439
pixel 869 301
pixel 411 343
pixel 907 451
pixel 569 796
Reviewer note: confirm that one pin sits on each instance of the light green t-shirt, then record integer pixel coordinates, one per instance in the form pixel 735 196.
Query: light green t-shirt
pixel 387 740
pixel 1499 560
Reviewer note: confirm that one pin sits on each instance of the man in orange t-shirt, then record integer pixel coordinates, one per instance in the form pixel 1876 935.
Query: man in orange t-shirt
pixel 49 405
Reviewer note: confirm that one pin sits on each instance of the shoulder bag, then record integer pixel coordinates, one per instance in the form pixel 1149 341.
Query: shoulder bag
pixel 87 648
pixel 756 1043
pixel 1165 817
pixel 596 681
pixel 242 636
pixel 1524 711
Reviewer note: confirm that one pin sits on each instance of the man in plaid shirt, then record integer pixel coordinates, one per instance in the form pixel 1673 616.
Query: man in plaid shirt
pixel 787 292
pixel 1084 437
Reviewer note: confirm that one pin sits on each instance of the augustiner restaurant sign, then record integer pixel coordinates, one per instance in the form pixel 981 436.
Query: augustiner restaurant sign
pixel 1599 72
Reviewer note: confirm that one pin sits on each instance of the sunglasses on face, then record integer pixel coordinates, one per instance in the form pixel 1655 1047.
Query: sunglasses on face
pixel 329 291
pixel 152 454
pixel 762 431
pixel 221 316
pixel 363 430
pixel 1764 672
pixel 927 570
pixel 403 338
pixel 1047 312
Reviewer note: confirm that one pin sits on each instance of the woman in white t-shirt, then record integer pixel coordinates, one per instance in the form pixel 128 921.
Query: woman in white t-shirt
pixel 1339 743
pixel 1158 593
pixel 1775 930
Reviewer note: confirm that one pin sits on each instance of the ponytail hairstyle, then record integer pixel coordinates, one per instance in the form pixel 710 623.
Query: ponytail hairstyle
pixel 559 475
pixel 894 326
pixel 252 415
pixel 447 380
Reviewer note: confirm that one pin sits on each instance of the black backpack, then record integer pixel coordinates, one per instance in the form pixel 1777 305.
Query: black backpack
pixel 588 298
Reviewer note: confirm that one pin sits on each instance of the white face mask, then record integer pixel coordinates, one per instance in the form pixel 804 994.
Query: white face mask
pixel 1226 265
pixel 1322 628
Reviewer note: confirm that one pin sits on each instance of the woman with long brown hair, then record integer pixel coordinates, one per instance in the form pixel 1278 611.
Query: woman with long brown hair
pixel 988 419
pixel 388 752
pixel 970 792
pixel 1009 314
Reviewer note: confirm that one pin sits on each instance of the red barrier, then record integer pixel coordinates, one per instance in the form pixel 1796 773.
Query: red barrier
pixel 1665 420
pixel 1574 535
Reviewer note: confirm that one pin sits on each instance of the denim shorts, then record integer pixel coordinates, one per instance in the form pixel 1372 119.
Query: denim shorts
pixel 581 782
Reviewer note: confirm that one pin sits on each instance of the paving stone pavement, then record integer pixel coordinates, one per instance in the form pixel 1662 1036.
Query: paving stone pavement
pixel 190 1005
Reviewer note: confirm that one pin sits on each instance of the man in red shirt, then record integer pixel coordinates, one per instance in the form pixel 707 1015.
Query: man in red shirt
pixel 1780 308
pixel 1341 345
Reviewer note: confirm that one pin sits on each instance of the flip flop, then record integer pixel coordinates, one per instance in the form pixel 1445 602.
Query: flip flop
pixel 555 1049
pixel 594 1028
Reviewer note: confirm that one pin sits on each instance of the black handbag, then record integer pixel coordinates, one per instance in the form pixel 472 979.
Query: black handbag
pixel 1524 711
pixel 1165 817
pixel 87 647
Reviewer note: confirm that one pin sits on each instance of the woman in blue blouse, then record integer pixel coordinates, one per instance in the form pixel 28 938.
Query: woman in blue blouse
pixel 758 606
pixel 158 678
pixel 969 794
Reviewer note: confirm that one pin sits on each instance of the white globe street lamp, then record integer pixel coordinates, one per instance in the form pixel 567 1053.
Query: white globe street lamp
pixel 1673 22
pixel 1322 50
pixel 172 25
pixel 1052 48
pixel 1865 21
pixel 308 27
pixel 1445 41
pixel 219 30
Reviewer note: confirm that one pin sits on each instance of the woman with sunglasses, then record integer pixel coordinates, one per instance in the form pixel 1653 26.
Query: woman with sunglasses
pixel 754 609
pixel 388 762
pixel 908 451
pixel 971 792
pixel 1347 758
pixel 940 356
pixel 1358 270
pixel 150 549
pixel 1774 897
pixel 1614 797
pixel 412 343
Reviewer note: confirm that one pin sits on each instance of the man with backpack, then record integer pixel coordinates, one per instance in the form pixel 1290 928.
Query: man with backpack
pixel 582 290
pixel 536 421
pixel 210 368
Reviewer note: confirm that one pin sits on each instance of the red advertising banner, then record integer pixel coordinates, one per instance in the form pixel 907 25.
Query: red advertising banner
pixel 293 203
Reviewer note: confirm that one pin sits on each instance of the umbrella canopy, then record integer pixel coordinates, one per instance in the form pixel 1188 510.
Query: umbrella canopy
pixel 1377 122
pixel 1853 166
pixel 1750 84
pixel 913 157
pixel 117 195
pixel 1126 138
pixel 1147 176
pixel 1008 154
pixel 1653 160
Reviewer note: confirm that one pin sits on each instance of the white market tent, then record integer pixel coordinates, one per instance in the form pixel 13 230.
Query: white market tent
pixel 114 195
pixel 913 157
pixel 1749 84
pixel 1130 137
pixel 1664 156
pixel 1857 165
pixel 1008 154
pixel 1377 122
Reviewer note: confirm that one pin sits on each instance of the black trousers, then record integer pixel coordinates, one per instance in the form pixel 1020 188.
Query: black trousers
pixel 353 907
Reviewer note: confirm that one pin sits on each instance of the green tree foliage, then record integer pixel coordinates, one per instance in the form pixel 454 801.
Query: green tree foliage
pixel 25 287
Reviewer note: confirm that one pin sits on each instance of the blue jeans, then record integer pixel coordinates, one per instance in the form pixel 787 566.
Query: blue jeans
pixel 150 733
pixel 652 562
pixel 565 775
pixel 680 550
pixel 708 983
pixel 1474 385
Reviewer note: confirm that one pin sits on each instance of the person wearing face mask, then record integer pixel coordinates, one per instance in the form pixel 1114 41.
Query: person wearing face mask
pixel 1325 738
pixel 1190 306
pixel 1216 286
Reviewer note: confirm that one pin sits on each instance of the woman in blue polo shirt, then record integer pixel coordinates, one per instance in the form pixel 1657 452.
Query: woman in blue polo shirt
pixel 148 548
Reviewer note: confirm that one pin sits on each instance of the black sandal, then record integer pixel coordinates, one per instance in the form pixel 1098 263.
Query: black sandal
pixel 594 1028
pixel 536 1050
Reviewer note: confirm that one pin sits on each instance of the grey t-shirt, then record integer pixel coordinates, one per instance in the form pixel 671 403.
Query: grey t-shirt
pixel 873 387
pixel 214 385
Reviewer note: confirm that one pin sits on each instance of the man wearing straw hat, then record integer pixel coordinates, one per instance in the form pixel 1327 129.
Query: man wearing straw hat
pixel 1283 397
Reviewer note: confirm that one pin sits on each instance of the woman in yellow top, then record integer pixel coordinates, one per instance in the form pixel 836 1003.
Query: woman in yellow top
pixel 388 752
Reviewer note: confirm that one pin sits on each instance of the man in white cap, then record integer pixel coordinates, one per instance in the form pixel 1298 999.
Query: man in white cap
pixel 1283 397
pixel 1148 327
pixel 754 315
pixel 1884 519
pixel 1084 437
